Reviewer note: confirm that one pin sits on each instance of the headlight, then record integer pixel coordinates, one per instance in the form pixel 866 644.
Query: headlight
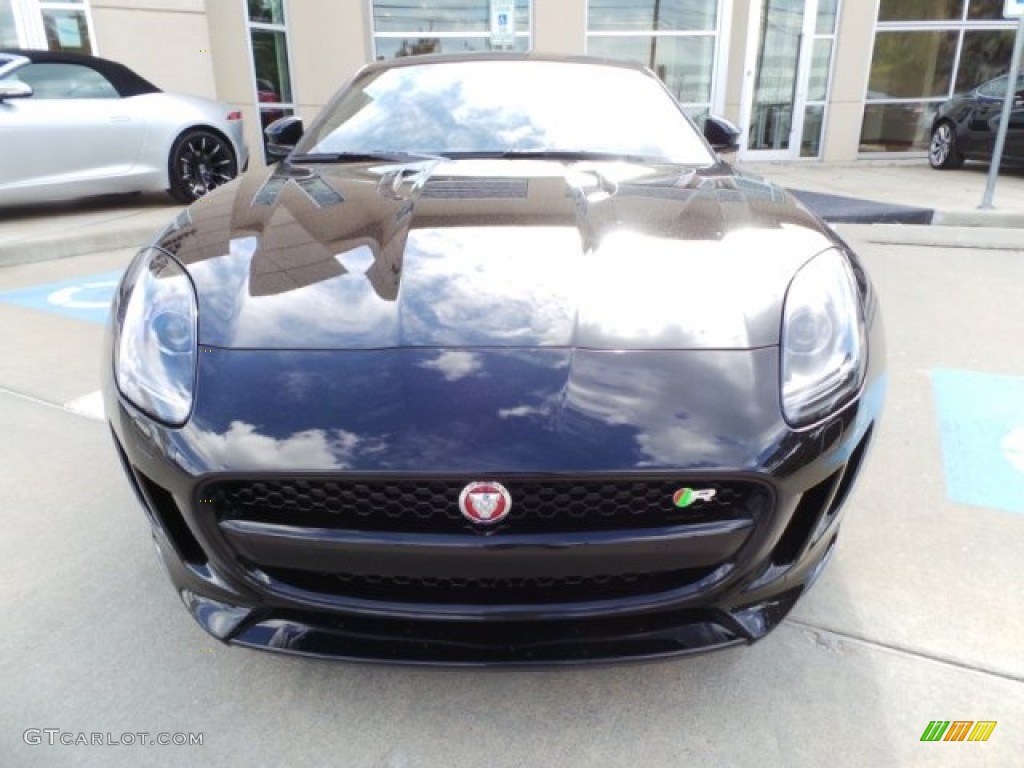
pixel 824 349
pixel 155 337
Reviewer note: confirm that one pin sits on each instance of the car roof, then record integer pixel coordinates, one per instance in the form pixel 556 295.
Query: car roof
pixel 124 80
pixel 446 58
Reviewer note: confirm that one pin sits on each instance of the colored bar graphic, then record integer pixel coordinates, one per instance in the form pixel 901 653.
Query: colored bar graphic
pixel 935 730
pixel 982 730
pixel 958 730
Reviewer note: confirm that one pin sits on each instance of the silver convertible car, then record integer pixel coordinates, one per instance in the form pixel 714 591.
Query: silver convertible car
pixel 75 126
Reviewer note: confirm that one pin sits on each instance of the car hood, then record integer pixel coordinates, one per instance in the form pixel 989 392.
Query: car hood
pixel 494 254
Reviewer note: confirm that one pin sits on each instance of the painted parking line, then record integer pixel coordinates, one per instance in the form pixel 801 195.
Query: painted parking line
pixel 981 421
pixel 84 298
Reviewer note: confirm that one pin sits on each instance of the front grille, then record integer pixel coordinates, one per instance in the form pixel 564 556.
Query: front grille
pixel 487 591
pixel 430 505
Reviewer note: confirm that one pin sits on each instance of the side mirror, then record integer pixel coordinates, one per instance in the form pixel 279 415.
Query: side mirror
pixel 282 135
pixel 721 134
pixel 14 89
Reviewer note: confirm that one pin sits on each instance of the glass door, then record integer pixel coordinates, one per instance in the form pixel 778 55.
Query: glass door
pixel 786 83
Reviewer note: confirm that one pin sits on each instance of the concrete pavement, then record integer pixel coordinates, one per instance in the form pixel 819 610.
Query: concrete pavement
pixel 917 618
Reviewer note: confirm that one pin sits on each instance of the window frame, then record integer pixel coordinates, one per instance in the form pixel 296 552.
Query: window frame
pixel 374 34
pixel 30 28
pixel 720 58
pixel 961 26
pixel 288 107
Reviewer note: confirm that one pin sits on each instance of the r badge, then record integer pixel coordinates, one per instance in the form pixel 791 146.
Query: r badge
pixel 684 497
pixel 486 503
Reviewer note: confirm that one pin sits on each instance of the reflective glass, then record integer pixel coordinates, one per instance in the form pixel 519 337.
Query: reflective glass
pixel 397 47
pixel 493 107
pixel 896 127
pixel 652 15
pixel 66 31
pixel 985 55
pixel 270 61
pixel 996 89
pixel 51 80
pixel 827 16
pixel 8 31
pixel 985 9
pixel 920 10
pixel 778 57
pixel 684 64
pixel 449 16
pixel 814 122
pixel 821 58
pixel 912 65
pixel 267 11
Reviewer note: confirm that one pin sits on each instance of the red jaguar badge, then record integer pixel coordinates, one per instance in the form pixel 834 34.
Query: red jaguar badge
pixel 485 502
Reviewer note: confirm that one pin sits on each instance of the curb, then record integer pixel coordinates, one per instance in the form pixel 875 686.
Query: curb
pixel 76 243
pixel 979 218
pixel 989 238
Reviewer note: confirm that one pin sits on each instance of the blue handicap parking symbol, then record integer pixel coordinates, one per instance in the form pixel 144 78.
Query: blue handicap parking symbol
pixel 981 420
pixel 84 298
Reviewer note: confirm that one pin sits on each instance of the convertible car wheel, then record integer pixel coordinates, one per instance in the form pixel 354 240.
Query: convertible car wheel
pixel 943 154
pixel 200 161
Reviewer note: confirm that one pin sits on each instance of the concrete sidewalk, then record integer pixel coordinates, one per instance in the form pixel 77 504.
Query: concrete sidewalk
pixel 953 195
pixel 61 230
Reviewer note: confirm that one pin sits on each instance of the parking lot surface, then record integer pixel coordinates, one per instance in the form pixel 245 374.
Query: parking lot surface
pixel 918 618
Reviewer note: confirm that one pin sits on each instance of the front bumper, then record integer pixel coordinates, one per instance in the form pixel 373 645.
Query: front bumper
pixel 426 590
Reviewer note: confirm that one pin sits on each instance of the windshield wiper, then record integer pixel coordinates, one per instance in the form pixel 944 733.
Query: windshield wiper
pixel 364 157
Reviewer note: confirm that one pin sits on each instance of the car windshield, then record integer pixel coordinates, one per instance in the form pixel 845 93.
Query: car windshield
pixel 506 108
pixel 996 89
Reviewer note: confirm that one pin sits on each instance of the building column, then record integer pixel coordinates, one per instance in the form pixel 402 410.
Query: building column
pixel 232 67
pixel 330 40
pixel 560 27
pixel 854 46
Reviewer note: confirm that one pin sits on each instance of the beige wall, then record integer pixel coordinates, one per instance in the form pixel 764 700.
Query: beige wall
pixel 854 46
pixel 330 40
pixel 734 59
pixel 560 26
pixel 165 41
pixel 201 47
pixel 232 67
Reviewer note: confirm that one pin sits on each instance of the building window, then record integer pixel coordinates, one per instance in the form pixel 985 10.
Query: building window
pixel 59 25
pixel 8 25
pixel 677 39
pixel 268 40
pixel 924 52
pixel 410 28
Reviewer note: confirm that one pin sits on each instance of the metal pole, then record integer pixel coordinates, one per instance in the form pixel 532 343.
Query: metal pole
pixel 1004 121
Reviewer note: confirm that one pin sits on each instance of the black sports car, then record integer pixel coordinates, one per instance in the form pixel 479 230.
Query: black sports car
pixel 965 127
pixel 502 364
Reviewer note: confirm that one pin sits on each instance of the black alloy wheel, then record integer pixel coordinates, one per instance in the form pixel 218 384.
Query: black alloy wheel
pixel 200 161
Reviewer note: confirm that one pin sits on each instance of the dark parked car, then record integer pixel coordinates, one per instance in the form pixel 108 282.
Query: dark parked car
pixel 965 127
pixel 502 364
pixel 75 125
